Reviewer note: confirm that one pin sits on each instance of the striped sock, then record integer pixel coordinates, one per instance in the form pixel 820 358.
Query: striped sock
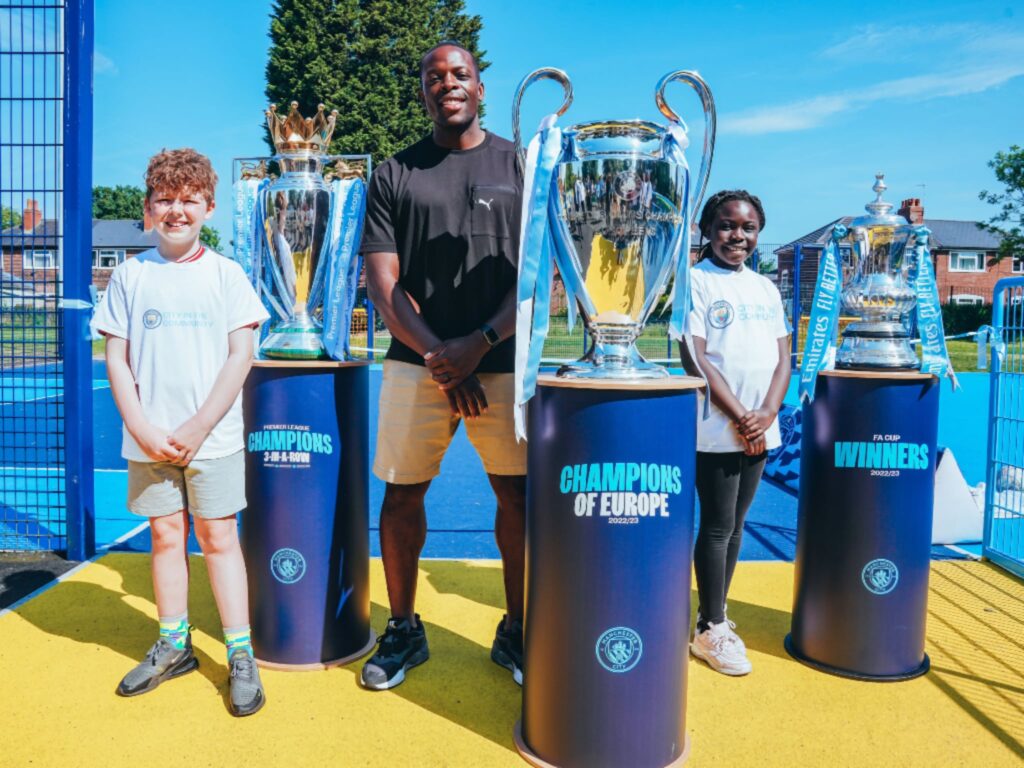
pixel 237 637
pixel 174 629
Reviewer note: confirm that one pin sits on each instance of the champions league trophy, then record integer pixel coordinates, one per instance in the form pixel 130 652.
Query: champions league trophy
pixel 880 293
pixel 619 207
pixel 297 236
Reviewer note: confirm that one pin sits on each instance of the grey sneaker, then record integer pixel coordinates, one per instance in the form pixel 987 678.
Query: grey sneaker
pixel 163 661
pixel 402 647
pixel 247 697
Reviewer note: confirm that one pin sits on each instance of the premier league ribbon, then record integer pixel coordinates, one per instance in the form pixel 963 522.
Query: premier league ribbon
pixel 821 329
pixel 341 248
pixel 244 233
pixel 536 254
pixel 934 356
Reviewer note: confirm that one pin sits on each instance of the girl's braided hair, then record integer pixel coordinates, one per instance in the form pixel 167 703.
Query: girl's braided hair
pixel 713 204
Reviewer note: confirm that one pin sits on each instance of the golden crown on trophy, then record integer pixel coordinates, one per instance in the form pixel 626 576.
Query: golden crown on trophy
pixel 296 133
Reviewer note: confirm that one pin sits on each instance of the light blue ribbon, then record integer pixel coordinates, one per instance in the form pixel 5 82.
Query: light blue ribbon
pixel 243 233
pixel 934 356
pixel 341 249
pixel 681 299
pixel 824 319
pixel 986 336
pixel 536 252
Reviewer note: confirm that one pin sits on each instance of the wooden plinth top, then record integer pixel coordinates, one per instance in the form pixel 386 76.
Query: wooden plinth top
pixel 675 383
pixel 849 373
pixel 321 364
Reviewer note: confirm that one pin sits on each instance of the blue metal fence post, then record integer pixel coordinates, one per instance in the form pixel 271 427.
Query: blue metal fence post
pixel 797 309
pixel 77 272
pixel 371 326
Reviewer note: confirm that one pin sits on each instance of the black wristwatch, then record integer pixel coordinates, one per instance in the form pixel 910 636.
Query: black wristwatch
pixel 490 335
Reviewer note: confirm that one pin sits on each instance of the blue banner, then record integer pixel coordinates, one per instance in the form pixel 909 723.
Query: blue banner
pixel 824 319
pixel 934 356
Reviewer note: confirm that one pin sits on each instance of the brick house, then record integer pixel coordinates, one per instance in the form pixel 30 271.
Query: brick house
pixel 29 254
pixel 961 252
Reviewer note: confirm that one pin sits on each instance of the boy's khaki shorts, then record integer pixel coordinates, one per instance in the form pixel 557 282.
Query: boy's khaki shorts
pixel 207 488
pixel 415 426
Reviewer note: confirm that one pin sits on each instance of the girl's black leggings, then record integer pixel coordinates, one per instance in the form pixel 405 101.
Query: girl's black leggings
pixel 726 483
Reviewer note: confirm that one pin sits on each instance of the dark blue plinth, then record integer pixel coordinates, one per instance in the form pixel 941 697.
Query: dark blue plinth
pixel 305 533
pixel 608 580
pixel 867 486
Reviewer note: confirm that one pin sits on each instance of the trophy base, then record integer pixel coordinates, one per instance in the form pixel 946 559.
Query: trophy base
pixel 620 362
pixel 876 346
pixel 297 339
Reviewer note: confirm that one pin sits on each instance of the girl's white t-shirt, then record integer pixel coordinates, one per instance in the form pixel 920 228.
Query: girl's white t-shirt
pixel 176 317
pixel 740 316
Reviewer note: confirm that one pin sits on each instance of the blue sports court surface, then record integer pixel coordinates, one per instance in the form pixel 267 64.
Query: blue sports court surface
pixel 460 505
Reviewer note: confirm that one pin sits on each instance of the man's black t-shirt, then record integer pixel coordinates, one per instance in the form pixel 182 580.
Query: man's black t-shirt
pixel 452 216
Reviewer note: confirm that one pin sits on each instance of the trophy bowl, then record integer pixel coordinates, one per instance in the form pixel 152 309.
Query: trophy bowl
pixel 625 198
pixel 877 289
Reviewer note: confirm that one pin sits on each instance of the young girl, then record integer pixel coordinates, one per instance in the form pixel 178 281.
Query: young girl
pixel 739 341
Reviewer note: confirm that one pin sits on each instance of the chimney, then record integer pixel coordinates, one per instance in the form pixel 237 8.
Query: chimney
pixel 912 210
pixel 32 216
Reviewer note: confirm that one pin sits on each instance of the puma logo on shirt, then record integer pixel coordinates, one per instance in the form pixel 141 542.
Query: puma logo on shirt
pixel 481 201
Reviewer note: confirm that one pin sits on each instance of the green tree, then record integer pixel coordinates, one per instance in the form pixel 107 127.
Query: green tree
pixel 125 202
pixel 1008 223
pixel 9 218
pixel 121 202
pixel 362 58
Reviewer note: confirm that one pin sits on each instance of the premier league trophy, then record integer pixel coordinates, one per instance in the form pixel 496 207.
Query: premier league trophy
pixel 622 199
pixel 298 236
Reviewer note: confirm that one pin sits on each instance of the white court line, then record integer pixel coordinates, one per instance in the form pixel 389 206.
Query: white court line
pixel 962 551
pixel 52 469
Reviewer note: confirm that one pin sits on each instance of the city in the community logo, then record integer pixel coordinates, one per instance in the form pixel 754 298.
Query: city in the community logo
pixel 720 314
pixel 619 649
pixel 880 576
pixel 152 318
pixel 288 565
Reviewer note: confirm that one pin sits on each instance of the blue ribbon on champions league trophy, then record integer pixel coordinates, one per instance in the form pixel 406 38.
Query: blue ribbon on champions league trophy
pixel 888 272
pixel 610 204
pixel 297 236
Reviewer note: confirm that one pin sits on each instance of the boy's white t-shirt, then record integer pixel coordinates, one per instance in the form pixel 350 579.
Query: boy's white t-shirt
pixel 176 317
pixel 740 315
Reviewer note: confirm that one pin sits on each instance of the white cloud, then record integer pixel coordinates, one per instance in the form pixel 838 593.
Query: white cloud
pixel 103 65
pixel 985 58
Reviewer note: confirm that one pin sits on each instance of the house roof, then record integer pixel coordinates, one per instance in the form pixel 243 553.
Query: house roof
pixel 121 233
pixel 946 233
pixel 106 233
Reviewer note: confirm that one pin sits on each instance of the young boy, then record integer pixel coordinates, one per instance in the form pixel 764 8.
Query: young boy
pixel 178 321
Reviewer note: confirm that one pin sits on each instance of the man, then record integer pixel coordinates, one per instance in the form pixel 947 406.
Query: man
pixel 441 245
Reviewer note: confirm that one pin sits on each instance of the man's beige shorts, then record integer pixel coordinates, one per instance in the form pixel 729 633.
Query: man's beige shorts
pixel 415 426
pixel 207 488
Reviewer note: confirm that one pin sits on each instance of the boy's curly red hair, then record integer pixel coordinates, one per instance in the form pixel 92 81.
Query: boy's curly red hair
pixel 181 171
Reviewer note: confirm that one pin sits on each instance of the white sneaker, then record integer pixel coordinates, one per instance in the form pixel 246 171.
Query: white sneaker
pixel 718 647
pixel 732 629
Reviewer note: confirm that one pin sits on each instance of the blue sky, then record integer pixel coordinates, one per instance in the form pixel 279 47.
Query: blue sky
pixel 812 100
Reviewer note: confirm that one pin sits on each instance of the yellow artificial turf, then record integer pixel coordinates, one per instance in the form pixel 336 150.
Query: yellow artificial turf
pixel 62 654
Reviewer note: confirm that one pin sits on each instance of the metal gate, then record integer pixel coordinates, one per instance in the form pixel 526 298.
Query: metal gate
pixel 46 463
pixel 1003 541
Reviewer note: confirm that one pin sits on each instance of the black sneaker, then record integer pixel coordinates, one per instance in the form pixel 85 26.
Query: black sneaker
pixel 507 648
pixel 402 647
pixel 163 661
pixel 247 696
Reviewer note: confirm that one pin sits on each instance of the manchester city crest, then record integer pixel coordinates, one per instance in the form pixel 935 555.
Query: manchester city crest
pixel 288 565
pixel 619 649
pixel 880 576
pixel 151 318
pixel 720 314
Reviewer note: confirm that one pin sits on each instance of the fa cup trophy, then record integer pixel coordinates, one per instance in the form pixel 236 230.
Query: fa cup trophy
pixel 298 236
pixel 881 247
pixel 617 213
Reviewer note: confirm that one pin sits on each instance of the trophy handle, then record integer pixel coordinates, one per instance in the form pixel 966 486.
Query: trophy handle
pixel 696 82
pixel 544 73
